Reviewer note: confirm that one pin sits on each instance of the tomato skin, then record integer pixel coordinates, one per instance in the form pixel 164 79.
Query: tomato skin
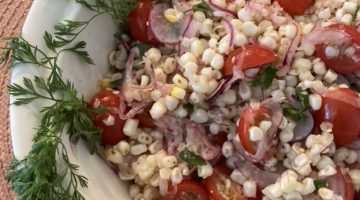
pixel 255 57
pixel 349 187
pixel 341 108
pixel 138 21
pixel 248 118
pixel 219 176
pixel 295 7
pixel 111 101
pixel 342 63
pixel 187 187
pixel 145 119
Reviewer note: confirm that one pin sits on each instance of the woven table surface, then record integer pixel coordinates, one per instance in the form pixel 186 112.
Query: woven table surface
pixel 12 16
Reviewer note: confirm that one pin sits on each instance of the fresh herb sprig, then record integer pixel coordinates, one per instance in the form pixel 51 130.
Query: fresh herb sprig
pixel 265 78
pixel 38 176
pixel 203 7
pixel 191 158
pixel 297 113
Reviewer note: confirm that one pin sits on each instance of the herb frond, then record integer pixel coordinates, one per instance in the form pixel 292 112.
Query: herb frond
pixel 191 158
pixel 265 78
pixel 203 7
pixel 297 113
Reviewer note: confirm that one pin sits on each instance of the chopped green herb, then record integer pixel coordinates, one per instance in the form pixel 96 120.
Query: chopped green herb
pixel 116 82
pixel 297 114
pixel 203 7
pixel 189 107
pixel 265 78
pixel 143 48
pixel 191 158
pixel 319 183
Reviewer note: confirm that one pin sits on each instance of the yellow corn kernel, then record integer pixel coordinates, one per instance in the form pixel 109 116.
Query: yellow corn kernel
pixel 178 92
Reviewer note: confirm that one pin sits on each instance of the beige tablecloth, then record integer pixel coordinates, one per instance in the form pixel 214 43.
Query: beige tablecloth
pixel 12 16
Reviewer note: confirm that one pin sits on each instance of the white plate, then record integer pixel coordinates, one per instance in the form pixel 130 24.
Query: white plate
pixel 44 14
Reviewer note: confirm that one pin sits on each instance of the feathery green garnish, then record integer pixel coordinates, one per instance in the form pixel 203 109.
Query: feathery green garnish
pixel 38 175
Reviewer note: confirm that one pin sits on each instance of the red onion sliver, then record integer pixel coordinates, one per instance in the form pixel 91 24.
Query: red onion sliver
pixel 302 130
pixel 230 30
pixel 355 145
pixel 173 131
pixel 291 50
pixel 215 7
pixel 261 177
pixel 337 183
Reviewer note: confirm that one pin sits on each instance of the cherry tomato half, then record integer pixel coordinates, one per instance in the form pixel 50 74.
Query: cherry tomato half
pixel 109 122
pixel 295 7
pixel 188 190
pixel 341 107
pixel 248 118
pixel 216 183
pixel 255 56
pixel 138 22
pixel 342 63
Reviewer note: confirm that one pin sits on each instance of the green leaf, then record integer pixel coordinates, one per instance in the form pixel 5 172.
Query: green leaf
pixel 116 82
pixel 78 49
pixel 295 114
pixel 188 107
pixel 303 99
pixel 191 158
pixel 265 78
pixel 319 183
pixel 143 48
pixel 203 7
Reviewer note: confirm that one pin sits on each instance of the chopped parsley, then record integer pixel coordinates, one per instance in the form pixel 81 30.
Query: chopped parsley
pixel 265 78
pixel 191 158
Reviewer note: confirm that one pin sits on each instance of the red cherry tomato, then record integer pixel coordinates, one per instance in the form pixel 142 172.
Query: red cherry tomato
pixel 295 7
pixel 341 107
pixel 111 134
pixel 188 190
pixel 138 22
pixel 248 118
pixel 255 57
pixel 145 119
pixel 342 63
pixel 215 185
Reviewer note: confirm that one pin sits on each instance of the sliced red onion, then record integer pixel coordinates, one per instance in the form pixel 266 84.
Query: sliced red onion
pixel 261 177
pixel 181 5
pixel 325 35
pixel 230 30
pixel 337 183
pixel 251 73
pixel 291 50
pixel 228 81
pixel 173 129
pixel 138 97
pixel 267 145
pixel 218 8
pixel 198 141
pixel 357 26
pixel 192 27
pixel 164 31
pixel 302 130
pixel 355 145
